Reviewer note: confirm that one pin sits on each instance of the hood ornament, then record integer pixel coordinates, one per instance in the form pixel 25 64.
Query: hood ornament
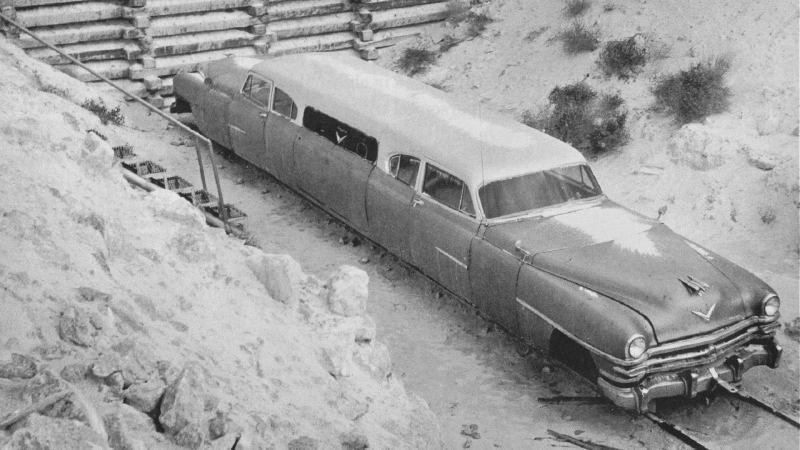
pixel 706 316
pixel 694 286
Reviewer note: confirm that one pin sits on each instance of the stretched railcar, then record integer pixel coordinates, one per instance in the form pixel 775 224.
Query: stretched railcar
pixel 504 216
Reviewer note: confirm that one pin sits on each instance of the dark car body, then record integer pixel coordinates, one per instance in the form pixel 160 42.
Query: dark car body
pixel 459 195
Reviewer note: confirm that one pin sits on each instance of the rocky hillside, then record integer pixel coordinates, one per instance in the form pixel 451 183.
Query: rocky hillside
pixel 126 322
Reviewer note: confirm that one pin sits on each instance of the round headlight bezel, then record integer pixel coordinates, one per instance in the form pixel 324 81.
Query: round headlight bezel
pixel 770 306
pixel 636 346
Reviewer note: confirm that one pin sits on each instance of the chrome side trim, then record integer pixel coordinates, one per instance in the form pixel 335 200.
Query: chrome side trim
pixel 580 342
pixel 452 258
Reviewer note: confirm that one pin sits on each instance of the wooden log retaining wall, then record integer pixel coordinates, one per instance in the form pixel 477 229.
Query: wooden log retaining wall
pixel 144 43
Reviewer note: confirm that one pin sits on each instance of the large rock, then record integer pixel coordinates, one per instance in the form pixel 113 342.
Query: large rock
pixel 280 274
pixel 183 402
pixel 145 396
pixel 119 436
pixel 375 359
pixel 347 291
pixel 129 429
pixel 190 436
pixel 47 433
pixel 20 366
pixel 74 326
pixel 701 147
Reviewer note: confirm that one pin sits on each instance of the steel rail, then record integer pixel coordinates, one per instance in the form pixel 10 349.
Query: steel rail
pixel 197 136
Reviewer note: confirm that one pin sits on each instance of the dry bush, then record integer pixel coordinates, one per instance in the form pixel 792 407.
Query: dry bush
pixel 578 38
pixel 574 8
pixel 416 60
pixel 623 58
pixel 467 24
pixel 767 214
pixel 477 23
pixel 55 90
pixel 694 94
pixel 576 114
pixel 448 41
pixel 106 115
pixel 457 11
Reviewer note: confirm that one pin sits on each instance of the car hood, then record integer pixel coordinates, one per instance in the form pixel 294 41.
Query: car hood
pixel 633 260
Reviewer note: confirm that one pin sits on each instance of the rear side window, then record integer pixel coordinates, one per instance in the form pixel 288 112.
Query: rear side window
pixel 341 134
pixel 447 190
pixel 257 89
pixel 404 168
pixel 284 105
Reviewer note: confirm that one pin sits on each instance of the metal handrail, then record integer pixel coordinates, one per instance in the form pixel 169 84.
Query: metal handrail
pixel 197 136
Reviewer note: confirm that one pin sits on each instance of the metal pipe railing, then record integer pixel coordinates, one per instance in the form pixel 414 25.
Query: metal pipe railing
pixel 197 136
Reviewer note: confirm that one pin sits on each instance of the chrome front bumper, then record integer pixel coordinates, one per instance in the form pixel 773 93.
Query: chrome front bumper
pixel 691 382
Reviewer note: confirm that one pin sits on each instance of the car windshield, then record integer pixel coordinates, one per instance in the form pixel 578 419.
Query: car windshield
pixel 538 190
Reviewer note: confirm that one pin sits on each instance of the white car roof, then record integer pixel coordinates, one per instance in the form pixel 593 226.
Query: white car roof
pixel 478 146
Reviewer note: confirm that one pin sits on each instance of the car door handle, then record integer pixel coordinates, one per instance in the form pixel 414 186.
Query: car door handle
pixel 416 202
pixel 263 115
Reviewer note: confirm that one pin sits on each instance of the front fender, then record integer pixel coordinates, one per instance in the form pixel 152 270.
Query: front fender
pixel 601 325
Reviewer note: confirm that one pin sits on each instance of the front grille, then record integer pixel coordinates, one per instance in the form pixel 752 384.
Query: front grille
pixel 698 351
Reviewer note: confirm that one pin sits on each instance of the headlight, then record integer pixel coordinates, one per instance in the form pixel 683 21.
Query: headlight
pixel 636 346
pixel 770 305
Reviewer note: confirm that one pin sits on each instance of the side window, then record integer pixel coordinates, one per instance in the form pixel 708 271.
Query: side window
pixel 341 134
pixel 404 168
pixel 257 89
pixel 284 105
pixel 447 189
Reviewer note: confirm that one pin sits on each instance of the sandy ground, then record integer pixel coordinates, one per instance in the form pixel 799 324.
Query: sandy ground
pixel 467 371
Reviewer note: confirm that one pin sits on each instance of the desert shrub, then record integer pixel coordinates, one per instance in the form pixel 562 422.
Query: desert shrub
pixel 574 8
pixel 623 58
pixel 578 38
pixel 106 115
pixel 416 60
pixel 767 215
pixel 476 24
pixel 457 11
pixel 55 90
pixel 693 94
pixel 576 114
pixel 448 41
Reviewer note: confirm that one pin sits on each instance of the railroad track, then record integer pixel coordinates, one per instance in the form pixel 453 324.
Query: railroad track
pixel 685 437
pixel 675 430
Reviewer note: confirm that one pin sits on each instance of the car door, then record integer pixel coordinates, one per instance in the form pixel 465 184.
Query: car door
pixel 333 161
pixel 280 133
pixel 247 119
pixel 442 227
pixel 389 198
